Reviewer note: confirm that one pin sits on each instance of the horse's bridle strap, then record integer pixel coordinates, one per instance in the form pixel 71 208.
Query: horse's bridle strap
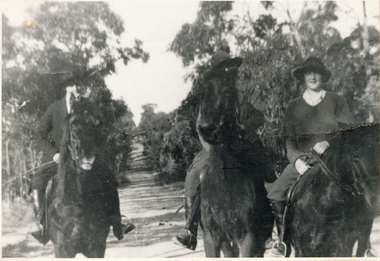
pixel 332 175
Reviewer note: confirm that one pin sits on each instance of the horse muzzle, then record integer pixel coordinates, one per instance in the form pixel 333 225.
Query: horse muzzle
pixel 209 132
pixel 87 162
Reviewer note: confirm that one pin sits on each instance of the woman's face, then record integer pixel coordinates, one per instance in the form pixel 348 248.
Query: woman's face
pixel 313 81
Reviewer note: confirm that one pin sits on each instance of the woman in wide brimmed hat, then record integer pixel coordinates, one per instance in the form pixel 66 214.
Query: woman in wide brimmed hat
pixel 308 121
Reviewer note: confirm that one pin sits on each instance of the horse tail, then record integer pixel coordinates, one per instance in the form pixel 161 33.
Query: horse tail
pixel 62 165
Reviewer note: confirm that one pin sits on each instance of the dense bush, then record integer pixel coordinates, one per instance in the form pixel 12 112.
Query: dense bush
pixel 31 54
pixel 270 52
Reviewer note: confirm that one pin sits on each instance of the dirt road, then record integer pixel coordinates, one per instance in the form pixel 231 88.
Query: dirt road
pixel 151 208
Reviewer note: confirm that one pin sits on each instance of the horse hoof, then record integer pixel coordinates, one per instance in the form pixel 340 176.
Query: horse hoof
pixel 278 250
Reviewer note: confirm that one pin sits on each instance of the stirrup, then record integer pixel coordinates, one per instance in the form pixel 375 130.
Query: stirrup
pixel 276 246
pixel 370 252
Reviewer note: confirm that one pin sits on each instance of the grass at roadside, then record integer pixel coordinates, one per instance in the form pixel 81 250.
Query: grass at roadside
pixel 16 214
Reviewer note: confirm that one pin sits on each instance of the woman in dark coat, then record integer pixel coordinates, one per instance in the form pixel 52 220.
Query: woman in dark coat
pixel 308 124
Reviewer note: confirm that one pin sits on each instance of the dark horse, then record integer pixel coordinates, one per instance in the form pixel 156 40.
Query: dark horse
pixel 77 210
pixel 235 212
pixel 334 204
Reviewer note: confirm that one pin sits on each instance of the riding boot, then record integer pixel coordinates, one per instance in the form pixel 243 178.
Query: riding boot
pixel 119 229
pixel 41 234
pixel 278 209
pixel 188 237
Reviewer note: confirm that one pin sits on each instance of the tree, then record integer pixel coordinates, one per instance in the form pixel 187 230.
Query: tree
pixel 271 50
pixel 55 43
pixel 86 35
pixel 153 126
pixel 196 40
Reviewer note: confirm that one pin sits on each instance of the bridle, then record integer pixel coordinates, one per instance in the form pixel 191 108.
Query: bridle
pixel 353 188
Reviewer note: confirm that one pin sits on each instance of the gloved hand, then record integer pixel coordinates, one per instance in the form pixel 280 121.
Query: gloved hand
pixel 321 147
pixel 301 166
pixel 56 158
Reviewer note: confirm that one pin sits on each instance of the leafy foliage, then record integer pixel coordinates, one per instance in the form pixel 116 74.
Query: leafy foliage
pixel 271 50
pixel 66 35
pixel 200 38
pixel 169 143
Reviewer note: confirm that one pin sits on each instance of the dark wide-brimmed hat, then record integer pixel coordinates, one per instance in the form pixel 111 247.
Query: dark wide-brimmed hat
pixel 71 76
pixel 62 76
pixel 312 64
pixel 222 62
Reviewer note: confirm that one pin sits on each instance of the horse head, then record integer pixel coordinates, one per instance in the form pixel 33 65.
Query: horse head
pixel 82 134
pixel 78 208
pixel 217 115
pixel 85 139
pixel 364 141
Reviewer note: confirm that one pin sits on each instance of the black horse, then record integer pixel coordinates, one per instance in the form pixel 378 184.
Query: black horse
pixel 235 212
pixel 334 204
pixel 77 212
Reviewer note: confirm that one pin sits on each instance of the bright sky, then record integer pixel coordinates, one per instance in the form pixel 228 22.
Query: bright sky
pixel 161 80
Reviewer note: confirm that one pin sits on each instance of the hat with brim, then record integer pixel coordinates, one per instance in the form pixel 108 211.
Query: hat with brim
pixel 312 64
pixel 221 62
pixel 69 76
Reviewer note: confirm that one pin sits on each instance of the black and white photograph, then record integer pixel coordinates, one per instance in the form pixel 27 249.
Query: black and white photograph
pixel 190 129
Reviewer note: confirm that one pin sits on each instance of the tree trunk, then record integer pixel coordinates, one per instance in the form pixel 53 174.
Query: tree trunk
pixel 295 32
pixel 365 32
pixel 8 167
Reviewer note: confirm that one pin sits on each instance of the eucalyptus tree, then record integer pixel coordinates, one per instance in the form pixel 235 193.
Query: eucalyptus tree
pixel 62 35
pixel 272 44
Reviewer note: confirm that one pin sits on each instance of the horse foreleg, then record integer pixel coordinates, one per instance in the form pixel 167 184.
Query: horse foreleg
pixel 251 247
pixel 212 246
pixel 364 238
pixel 95 251
pixel 286 240
pixel 230 249
pixel 61 252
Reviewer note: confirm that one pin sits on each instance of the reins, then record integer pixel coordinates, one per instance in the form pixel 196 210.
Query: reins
pixel 351 189
pixel 332 175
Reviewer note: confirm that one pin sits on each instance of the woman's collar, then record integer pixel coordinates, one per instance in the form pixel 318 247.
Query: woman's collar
pixel 317 99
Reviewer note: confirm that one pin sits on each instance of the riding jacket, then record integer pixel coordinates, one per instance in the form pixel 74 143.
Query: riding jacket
pixel 304 126
pixel 48 139
pixel 50 129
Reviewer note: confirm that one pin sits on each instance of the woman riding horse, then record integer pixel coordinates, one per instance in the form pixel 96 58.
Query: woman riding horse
pixel 309 120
